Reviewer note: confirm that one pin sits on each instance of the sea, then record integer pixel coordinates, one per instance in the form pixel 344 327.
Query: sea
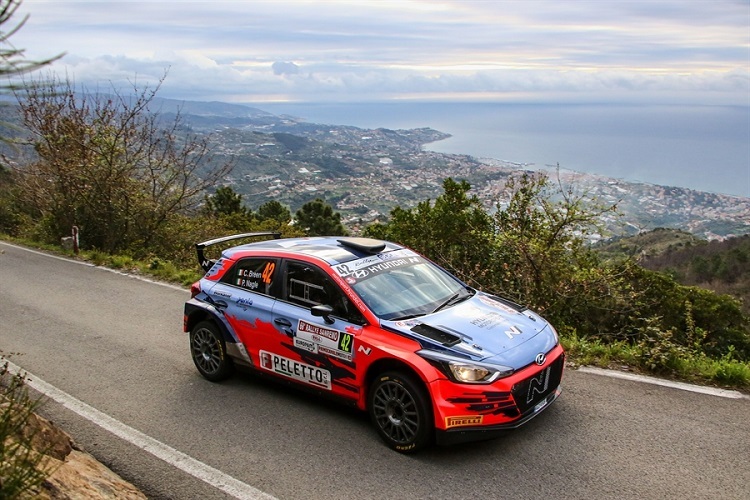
pixel 706 148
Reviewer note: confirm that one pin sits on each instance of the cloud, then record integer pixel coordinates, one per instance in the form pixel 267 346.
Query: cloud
pixel 284 68
pixel 363 50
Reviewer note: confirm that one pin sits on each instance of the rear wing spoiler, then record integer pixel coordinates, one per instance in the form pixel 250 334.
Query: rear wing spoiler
pixel 207 264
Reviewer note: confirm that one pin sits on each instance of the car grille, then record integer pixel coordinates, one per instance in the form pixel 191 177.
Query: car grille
pixel 534 389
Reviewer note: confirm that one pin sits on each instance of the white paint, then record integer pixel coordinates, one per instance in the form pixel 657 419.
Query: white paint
pixel 181 461
pixel 712 391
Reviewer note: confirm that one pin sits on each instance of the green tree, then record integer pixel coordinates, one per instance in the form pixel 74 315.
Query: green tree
pixel 225 201
pixel 10 216
pixel 540 236
pixel 317 218
pixel 531 250
pixel 455 231
pixel 273 210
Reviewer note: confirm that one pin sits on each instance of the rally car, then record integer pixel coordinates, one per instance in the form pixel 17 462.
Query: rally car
pixel 377 325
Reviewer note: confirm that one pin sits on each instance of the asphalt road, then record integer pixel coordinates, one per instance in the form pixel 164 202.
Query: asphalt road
pixel 115 343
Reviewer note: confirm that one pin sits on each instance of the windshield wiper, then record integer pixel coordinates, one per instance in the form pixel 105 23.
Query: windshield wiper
pixel 453 299
pixel 447 302
pixel 408 316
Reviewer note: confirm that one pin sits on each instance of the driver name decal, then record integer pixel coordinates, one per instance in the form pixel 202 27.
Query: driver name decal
pixel 296 370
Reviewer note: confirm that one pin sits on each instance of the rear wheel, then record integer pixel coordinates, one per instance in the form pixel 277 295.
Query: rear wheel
pixel 401 412
pixel 209 352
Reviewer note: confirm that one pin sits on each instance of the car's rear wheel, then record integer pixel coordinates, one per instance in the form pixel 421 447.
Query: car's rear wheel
pixel 401 412
pixel 209 352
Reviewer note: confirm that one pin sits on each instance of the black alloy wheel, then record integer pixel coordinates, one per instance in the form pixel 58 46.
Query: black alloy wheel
pixel 401 412
pixel 209 352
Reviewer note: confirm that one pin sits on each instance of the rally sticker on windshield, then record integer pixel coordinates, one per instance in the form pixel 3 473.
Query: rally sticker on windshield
pixel 317 338
pixel 302 372
pixel 367 266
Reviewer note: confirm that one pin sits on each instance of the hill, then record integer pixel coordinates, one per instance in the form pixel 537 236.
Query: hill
pixel 722 266
pixel 647 244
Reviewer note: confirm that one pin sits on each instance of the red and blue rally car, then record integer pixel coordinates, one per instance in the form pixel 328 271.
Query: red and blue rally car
pixel 377 325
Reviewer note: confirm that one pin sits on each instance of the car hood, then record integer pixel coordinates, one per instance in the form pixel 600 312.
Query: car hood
pixel 483 327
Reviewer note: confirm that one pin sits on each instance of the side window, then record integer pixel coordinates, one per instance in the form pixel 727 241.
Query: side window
pixel 308 286
pixel 256 275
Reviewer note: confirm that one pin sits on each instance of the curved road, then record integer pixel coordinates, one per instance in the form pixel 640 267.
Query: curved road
pixel 114 343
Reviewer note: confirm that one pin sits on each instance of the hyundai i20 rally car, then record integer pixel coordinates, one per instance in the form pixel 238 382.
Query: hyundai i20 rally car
pixel 377 325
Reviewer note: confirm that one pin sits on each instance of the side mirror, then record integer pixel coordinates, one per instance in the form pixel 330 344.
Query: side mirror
pixel 323 311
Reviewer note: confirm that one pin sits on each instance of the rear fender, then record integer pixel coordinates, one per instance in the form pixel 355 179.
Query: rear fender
pixel 196 311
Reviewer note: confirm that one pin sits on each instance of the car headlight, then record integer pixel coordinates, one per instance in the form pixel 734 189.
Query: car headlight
pixel 466 372
pixel 470 373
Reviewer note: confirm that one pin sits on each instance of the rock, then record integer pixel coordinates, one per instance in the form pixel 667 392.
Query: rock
pixel 82 477
pixel 66 242
pixel 46 438
pixel 76 474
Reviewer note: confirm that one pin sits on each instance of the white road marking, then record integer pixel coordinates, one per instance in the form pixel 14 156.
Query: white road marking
pixel 712 391
pixel 185 463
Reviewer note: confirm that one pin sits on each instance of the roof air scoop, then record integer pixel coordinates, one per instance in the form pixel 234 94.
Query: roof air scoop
pixel 364 245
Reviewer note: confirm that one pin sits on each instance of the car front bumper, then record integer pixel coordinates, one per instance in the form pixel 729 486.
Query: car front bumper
pixel 469 412
pixel 468 434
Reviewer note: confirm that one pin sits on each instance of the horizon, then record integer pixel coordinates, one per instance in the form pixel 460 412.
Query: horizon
pixel 663 52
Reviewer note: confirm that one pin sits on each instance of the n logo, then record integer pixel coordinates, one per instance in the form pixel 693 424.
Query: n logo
pixel 538 384
pixel 513 332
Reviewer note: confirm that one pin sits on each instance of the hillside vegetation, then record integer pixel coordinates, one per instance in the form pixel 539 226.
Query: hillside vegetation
pixel 719 265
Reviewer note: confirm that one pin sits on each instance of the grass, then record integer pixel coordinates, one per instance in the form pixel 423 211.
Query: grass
pixel 672 361
pixel 157 268
pixel 697 368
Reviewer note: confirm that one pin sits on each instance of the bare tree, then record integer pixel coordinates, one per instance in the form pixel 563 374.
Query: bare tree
pixel 108 164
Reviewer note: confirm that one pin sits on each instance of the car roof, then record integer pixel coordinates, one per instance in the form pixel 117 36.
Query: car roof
pixel 331 249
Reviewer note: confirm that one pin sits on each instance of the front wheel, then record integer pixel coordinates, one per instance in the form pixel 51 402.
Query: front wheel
pixel 209 352
pixel 401 412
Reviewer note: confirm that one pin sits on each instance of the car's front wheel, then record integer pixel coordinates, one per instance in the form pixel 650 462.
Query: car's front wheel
pixel 209 352
pixel 401 412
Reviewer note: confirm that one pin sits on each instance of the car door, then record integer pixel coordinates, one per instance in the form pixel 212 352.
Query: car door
pixel 245 295
pixel 315 350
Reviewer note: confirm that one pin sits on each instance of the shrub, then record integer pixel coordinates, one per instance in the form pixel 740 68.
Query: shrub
pixel 22 468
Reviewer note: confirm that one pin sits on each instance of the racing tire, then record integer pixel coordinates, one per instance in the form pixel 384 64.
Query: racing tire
pixel 209 352
pixel 401 412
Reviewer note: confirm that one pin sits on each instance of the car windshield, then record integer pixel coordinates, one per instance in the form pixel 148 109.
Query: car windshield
pixel 405 288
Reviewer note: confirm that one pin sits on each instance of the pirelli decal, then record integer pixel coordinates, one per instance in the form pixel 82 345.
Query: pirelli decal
pixel 463 421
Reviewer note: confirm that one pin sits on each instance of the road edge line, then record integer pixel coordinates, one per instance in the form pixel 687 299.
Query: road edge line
pixel 711 391
pixel 164 452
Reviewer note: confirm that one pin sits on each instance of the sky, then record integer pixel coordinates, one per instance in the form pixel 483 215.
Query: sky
pixel 603 51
